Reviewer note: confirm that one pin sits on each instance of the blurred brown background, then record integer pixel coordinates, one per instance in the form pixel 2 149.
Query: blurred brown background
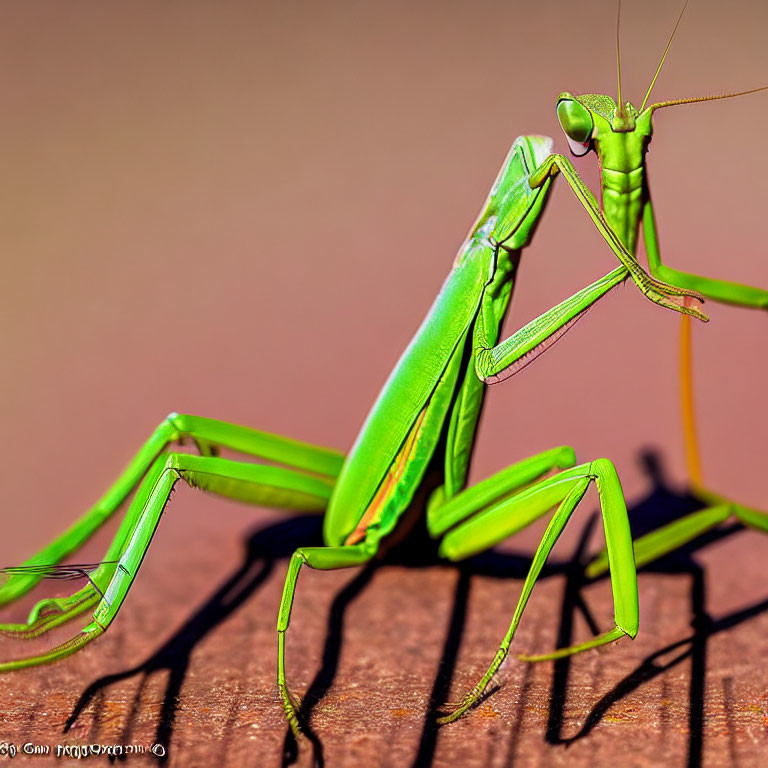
pixel 243 210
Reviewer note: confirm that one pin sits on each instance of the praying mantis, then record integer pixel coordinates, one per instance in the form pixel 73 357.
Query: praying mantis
pixel 321 477
pixel 426 415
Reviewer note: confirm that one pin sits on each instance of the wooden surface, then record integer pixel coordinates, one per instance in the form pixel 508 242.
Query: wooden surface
pixel 155 260
pixel 190 661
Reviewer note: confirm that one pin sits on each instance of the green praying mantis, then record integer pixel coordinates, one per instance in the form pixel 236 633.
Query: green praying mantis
pixel 425 418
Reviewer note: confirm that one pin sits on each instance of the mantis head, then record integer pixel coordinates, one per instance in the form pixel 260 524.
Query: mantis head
pixel 619 134
pixel 594 121
pixel 616 130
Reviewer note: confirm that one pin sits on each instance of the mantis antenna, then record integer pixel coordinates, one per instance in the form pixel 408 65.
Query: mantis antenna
pixel 693 100
pixel 664 56
pixel 675 102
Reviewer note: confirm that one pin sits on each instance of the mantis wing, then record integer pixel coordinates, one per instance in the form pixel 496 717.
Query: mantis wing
pixel 407 389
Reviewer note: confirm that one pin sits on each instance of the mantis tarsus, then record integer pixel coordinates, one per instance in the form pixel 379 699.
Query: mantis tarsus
pixel 296 491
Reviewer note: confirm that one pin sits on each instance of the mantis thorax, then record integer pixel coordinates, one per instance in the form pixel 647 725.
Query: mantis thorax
pixel 620 137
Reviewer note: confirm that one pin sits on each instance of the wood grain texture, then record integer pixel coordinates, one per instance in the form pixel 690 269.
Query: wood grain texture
pixel 375 651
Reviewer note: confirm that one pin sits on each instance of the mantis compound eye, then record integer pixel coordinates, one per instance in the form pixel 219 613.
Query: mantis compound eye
pixel 577 125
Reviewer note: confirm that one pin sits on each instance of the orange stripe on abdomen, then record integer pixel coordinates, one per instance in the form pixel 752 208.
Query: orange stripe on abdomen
pixel 389 483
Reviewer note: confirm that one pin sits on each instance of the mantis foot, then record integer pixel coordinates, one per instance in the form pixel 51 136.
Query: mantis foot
pixel 50 613
pixel 682 300
pixel 455 711
pixel 291 707
pixel 478 693
pixel 67 648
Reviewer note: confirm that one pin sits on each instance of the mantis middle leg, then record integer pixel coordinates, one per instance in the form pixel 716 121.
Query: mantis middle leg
pixel 677 534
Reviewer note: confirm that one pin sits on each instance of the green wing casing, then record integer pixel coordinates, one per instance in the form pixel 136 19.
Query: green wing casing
pixel 424 361
pixel 405 393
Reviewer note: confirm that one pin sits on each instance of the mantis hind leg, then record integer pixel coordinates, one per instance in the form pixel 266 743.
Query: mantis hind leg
pixel 109 584
pixel 672 536
pixel 209 435
pixel 486 525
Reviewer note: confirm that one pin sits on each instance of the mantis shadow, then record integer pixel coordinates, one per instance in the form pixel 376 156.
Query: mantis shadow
pixel 267 546
pixel 662 505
